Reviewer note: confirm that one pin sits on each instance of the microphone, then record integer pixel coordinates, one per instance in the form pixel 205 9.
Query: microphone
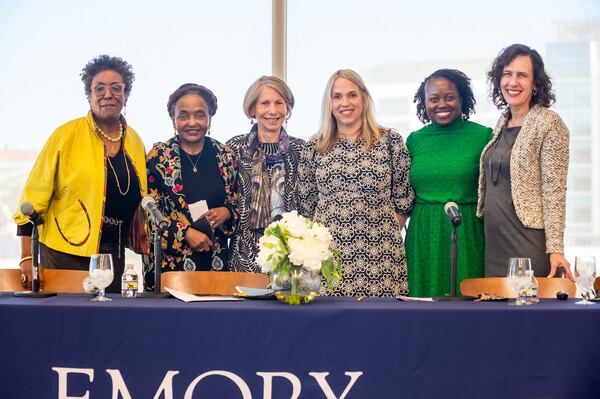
pixel 451 210
pixel 157 217
pixel 28 210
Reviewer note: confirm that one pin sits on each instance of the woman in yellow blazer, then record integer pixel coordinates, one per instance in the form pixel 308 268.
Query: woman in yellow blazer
pixel 88 179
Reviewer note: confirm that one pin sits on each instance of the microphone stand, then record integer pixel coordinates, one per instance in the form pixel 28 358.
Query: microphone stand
pixel 35 280
pixel 453 268
pixel 157 268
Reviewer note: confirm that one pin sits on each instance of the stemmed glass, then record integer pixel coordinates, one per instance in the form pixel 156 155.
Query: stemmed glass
pixel 585 272
pixel 519 278
pixel 101 274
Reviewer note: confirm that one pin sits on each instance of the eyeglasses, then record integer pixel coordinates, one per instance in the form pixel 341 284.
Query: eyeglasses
pixel 116 88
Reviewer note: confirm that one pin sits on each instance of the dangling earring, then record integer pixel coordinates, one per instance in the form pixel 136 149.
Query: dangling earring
pixel 534 92
pixel 124 111
pixel 208 132
pixel 251 121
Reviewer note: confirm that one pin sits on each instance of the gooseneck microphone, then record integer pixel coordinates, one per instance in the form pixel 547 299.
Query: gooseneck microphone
pixel 155 214
pixel 451 210
pixel 35 218
pixel 159 220
pixel 28 210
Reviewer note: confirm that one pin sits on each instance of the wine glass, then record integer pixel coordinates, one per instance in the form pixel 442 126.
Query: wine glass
pixel 585 272
pixel 519 278
pixel 101 274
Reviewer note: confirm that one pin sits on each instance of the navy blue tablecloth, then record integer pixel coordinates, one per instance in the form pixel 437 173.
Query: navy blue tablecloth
pixel 388 348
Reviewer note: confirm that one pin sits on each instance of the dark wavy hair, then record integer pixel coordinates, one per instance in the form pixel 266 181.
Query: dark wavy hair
pixel 462 83
pixel 542 85
pixel 192 88
pixel 105 63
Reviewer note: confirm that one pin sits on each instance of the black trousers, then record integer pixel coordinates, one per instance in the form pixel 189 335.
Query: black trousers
pixel 52 259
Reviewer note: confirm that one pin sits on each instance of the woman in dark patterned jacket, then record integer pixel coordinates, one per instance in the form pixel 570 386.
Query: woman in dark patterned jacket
pixel 267 167
pixel 193 171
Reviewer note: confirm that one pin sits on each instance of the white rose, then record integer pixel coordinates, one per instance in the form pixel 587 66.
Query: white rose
pixel 295 223
pixel 308 252
pixel 269 246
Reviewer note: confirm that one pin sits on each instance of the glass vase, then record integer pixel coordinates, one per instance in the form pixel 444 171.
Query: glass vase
pixel 300 287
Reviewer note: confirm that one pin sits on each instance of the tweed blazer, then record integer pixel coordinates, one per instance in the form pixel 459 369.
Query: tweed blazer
pixel 538 168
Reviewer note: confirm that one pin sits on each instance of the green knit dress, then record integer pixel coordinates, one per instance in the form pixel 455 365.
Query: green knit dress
pixel 444 167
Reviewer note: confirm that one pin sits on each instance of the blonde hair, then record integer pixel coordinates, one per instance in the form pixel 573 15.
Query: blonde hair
pixel 274 83
pixel 370 130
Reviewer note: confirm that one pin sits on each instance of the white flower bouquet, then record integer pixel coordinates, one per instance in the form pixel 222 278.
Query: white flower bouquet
pixel 295 241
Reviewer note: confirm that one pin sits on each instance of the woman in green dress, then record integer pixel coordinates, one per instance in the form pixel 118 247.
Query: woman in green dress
pixel 444 167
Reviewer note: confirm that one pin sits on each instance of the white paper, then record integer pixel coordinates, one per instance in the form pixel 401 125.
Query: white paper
pixel 197 209
pixel 185 297
pixel 414 299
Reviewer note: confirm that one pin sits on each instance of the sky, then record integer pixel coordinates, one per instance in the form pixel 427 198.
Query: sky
pixel 226 46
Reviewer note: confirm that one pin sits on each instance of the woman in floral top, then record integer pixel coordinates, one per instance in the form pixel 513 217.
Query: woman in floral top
pixel 193 169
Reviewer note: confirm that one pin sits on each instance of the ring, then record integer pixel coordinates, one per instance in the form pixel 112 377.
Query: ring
pixel 200 249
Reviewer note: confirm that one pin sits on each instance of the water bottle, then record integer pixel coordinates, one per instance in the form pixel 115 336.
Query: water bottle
pixel 532 290
pixel 129 282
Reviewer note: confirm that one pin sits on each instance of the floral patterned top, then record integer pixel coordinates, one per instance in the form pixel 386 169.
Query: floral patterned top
pixel 165 184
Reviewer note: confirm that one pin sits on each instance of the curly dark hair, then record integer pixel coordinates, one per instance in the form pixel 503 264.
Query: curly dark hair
pixel 189 88
pixel 462 83
pixel 542 85
pixel 104 63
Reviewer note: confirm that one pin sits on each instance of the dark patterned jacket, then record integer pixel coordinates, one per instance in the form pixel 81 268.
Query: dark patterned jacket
pixel 538 168
pixel 244 244
pixel 165 184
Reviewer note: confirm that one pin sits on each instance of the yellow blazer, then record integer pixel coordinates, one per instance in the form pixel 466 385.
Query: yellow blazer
pixel 67 185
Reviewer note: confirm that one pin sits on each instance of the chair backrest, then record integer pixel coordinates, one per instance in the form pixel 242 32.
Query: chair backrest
pixel 597 286
pixel 10 280
pixel 63 280
pixel 490 285
pixel 547 287
pixel 212 283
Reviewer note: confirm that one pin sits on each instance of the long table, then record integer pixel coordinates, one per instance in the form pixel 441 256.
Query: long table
pixel 69 347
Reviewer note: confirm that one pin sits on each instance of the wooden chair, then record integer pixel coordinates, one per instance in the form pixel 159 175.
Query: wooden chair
pixel 10 280
pixel 62 280
pixel 597 286
pixel 548 287
pixel 212 283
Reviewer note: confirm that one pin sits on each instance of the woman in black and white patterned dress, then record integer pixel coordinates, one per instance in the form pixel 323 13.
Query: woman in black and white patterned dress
pixel 267 168
pixel 353 177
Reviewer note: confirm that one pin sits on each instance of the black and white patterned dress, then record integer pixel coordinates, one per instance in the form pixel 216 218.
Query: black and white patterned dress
pixel 355 194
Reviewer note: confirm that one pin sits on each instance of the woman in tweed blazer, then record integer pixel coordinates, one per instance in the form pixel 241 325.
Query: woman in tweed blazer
pixel 523 169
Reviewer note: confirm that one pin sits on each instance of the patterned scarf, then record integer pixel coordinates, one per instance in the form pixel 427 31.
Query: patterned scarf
pixel 267 192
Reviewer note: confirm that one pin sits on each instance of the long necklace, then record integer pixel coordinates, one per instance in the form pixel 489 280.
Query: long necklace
pixel 117 177
pixel 107 137
pixel 194 168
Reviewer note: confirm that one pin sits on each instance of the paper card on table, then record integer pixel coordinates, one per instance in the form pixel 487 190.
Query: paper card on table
pixel 185 297
pixel 413 299
pixel 197 209
pixel 253 291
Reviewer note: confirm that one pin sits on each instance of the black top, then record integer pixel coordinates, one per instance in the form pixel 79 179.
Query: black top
pixel 205 183
pixel 119 207
pixel 505 235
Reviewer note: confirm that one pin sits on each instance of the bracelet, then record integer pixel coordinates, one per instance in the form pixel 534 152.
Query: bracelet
pixel 23 259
